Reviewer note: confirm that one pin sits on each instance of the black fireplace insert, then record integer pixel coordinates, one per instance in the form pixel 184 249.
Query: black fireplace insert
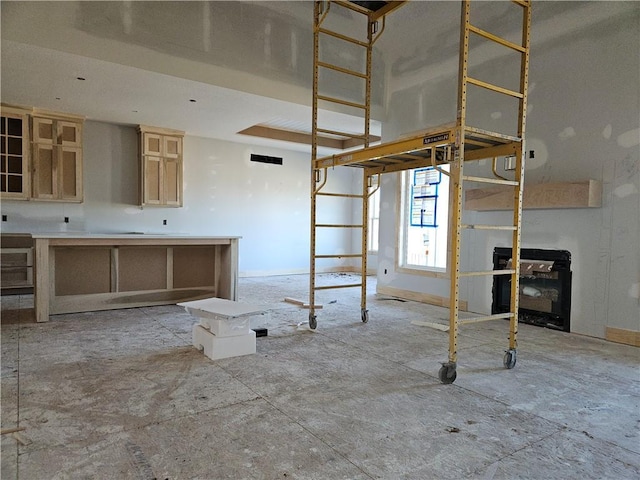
pixel 545 286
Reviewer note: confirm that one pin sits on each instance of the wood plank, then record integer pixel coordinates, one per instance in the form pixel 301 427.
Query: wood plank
pixel 582 194
pixel 116 300
pixel 621 335
pixel 42 283
pixel 115 269
pixel 418 296
pixel 301 303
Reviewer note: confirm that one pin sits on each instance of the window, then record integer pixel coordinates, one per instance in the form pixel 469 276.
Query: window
pixel 424 219
pixel 374 222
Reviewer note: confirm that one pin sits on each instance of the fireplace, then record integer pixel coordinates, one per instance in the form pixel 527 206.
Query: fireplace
pixel 545 286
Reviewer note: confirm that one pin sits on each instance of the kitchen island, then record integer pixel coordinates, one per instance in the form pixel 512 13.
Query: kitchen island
pixel 87 272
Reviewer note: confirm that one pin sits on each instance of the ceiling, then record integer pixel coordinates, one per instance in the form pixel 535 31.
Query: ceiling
pixel 131 96
pixel 48 66
pixel 214 69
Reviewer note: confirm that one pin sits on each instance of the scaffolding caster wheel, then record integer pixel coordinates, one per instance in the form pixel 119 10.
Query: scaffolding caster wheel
pixel 364 315
pixel 509 359
pixel 313 322
pixel 447 373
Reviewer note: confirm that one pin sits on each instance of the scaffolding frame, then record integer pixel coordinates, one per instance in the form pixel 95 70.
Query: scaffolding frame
pixel 452 144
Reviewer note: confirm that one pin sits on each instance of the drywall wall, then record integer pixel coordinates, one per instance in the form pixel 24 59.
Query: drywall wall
pixel 583 122
pixel 224 194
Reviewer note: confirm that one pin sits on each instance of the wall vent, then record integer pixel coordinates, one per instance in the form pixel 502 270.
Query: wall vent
pixel 266 159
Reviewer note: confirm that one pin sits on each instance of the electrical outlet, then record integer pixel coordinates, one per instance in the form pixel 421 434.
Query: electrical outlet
pixel 66 219
pixel 164 222
pixel 4 218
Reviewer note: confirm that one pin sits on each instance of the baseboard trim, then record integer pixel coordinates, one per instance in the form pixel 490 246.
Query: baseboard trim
pixel 418 297
pixel 620 335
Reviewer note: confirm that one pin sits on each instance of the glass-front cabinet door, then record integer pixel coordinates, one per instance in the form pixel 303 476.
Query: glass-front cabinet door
pixel 14 156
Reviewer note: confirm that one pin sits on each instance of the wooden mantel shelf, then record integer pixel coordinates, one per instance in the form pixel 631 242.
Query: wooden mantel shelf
pixel 583 194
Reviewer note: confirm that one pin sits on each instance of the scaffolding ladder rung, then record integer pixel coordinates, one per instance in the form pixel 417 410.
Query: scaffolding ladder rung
pixel 343 37
pixel 487 273
pixel 341 102
pixel 346 285
pixel 495 38
pixel 522 3
pixel 341 255
pixel 346 71
pixel 495 88
pixel 497 181
pixel 342 134
pixel 490 227
pixel 337 225
pixel 343 195
pixel 486 318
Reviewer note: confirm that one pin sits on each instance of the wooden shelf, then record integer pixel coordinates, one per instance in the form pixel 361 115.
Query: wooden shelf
pixel 583 194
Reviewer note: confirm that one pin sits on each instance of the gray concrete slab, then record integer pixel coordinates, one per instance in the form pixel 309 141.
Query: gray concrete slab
pixel 123 394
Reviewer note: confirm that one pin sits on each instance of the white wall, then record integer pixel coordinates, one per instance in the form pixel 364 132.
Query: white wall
pixel 583 122
pixel 224 194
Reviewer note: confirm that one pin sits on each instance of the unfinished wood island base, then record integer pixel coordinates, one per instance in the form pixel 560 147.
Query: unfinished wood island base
pixel 82 273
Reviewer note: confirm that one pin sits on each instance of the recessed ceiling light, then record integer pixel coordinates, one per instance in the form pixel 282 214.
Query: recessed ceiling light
pixel 81 78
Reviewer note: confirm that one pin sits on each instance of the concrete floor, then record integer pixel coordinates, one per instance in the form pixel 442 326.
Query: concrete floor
pixel 123 395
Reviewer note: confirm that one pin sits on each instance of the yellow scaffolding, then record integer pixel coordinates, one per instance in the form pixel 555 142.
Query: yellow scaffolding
pixel 452 144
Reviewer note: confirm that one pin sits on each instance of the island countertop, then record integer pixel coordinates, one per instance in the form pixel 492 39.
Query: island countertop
pixel 129 236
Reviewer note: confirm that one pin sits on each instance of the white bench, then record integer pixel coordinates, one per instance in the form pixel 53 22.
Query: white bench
pixel 225 327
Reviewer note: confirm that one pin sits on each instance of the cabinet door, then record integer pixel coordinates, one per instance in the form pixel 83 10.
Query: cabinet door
pixel 69 134
pixel 44 130
pixel 152 144
pixel 14 156
pixel 173 182
pixel 172 146
pixel 45 172
pixel 153 180
pixel 70 173
pixel 160 167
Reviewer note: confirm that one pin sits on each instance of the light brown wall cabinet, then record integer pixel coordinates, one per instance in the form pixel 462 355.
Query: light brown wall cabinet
pixel 14 156
pixel 57 159
pixel 41 155
pixel 160 166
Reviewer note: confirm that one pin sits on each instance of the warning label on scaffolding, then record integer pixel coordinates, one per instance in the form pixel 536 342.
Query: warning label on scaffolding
pixel 426 176
pixel 424 197
pixel 423 212
pixel 435 138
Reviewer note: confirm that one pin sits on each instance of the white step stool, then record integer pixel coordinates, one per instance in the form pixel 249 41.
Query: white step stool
pixel 225 327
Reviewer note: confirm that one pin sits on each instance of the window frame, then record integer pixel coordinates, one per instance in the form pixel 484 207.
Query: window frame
pixel 403 217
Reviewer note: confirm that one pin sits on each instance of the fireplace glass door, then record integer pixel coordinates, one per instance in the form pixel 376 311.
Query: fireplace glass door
pixel 545 286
